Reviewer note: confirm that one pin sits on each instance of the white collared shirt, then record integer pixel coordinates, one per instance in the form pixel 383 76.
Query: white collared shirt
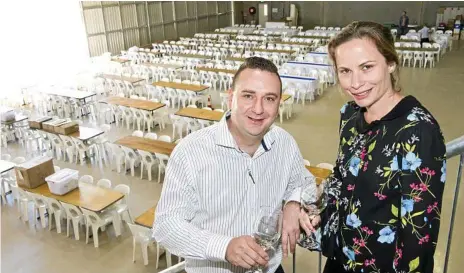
pixel 213 191
pixel 424 32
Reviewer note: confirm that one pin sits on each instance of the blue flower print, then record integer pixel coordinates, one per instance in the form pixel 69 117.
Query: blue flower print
pixel 411 162
pixel 407 205
pixel 426 219
pixel 342 110
pixel 386 235
pixel 353 221
pixel 394 164
pixel 412 117
pixel 443 172
pixel 354 165
pixel 349 253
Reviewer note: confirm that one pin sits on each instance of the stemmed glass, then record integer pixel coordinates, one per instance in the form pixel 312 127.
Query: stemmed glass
pixel 267 231
pixel 313 200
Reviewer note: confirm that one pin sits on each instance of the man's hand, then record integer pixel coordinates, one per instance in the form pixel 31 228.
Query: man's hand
pixel 308 224
pixel 290 227
pixel 243 251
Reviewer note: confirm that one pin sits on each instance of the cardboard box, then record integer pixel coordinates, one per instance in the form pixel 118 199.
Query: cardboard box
pixel 32 173
pixel 37 123
pixel 49 126
pixel 67 128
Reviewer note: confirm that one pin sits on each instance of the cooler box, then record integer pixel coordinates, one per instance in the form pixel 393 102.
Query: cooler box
pixel 63 181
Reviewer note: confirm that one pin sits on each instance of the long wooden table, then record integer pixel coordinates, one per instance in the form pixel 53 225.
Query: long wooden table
pixel 18 118
pixel 87 196
pixel 183 86
pixel 121 78
pixel 6 166
pixel 192 56
pixel 235 59
pixel 147 218
pixel 134 103
pixel 173 66
pixel 285 97
pixel 86 133
pixel 417 49
pixel 320 173
pixel 146 144
pixel 200 114
pixel 69 93
pixel 217 70
pixel 290 52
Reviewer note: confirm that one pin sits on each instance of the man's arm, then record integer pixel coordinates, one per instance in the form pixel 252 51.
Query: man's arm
pixel 299 178
pixel 177 207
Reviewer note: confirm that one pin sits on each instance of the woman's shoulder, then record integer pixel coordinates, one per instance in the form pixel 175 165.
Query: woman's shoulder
pixel 349 108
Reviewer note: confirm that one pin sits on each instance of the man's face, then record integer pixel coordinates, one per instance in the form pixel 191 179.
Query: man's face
pixel 254 102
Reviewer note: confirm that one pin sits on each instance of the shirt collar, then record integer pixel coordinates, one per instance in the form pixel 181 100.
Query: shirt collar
pixel 224 137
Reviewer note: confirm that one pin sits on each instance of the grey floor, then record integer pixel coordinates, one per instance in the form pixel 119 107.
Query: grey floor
pixel 32 249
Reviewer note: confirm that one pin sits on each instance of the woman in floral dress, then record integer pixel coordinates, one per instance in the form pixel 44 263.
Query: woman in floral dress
pixel 385 193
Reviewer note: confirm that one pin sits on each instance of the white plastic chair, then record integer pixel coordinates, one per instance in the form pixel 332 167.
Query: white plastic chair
pixel 116 153
pixel 55 208
pixel 131 158
pixel 6 157
pixel 148 160
pixel 86 179
pixel 153 136
pixel 41 205
pixel 74 215
pixel 97 221
pixel 104 183
pixel 165 138
pixel 137 133
pixel 122 207
pixel 56 168
pixel 19 160
pixel 306 162
pixel 142 235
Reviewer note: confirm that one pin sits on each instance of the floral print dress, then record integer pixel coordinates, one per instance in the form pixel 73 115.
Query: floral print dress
pixel 386 191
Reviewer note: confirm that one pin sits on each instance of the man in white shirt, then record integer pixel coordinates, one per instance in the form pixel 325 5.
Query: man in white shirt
pixel 217 179
pixel 424 34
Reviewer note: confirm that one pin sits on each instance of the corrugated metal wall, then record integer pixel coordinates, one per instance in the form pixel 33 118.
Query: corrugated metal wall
pixel 115 26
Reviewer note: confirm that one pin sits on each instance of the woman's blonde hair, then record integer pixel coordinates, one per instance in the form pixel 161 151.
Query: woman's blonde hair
pixel 379 35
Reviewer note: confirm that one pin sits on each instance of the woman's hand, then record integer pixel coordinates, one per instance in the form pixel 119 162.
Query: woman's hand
pixel 309 223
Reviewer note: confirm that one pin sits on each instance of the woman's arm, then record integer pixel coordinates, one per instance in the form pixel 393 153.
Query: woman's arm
pixel 422 183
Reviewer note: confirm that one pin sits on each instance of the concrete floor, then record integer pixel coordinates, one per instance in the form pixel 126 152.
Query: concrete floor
pixel 314 126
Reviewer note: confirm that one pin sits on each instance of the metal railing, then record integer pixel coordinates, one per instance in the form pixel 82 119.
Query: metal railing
pixel 453 148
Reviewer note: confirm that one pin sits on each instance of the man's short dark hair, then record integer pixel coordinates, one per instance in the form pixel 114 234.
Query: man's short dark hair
pixel 260 64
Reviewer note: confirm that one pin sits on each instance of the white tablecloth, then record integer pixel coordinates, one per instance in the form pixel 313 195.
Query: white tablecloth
pixel 275 24
pixel 311 83
pixel 305 65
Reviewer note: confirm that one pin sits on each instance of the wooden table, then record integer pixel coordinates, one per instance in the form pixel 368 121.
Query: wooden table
pixel 417 49
pixel 134 103
pixel 183 86
pixel 173 66
pixel 119 60
pixel 147 218
pixel 217 70
pixel 235 59
pixel 200 114
pixel 6 166
pixel 121 78
pixel 293 43
pixel 69 93
pixel 285 97
pixel 320 173
pixel 87 196
pixel 18 118
pixel 146 144
pixel 312 37
pixel 86 133
pixel 194 56
pixel 275 51
pixel 408 41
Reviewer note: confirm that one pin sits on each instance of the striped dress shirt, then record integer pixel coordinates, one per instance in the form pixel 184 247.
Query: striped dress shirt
pixel 213 192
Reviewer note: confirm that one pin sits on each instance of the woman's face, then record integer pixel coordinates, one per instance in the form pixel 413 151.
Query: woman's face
pixel 363 72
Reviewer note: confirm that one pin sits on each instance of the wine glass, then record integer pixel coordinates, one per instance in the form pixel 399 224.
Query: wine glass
pixel 267 231
pixel 313 200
